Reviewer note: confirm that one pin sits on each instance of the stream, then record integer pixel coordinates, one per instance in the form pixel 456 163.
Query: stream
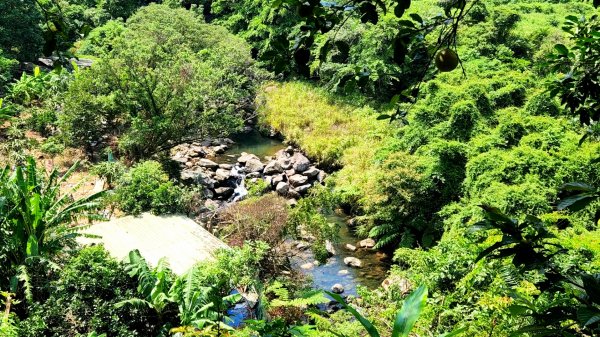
pixel 323 276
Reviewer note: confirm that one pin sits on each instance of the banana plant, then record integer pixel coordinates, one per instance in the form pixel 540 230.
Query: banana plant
pixel 406 317
pixel 39 217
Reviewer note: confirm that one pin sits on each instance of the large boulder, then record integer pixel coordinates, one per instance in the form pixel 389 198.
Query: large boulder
pixel 222 175
pixel 253 165
pixel 298 180
pixel 299 162
pixel 207 163
pixel 243 159
pixel 282 188
pixel 273 167
pixel 352 262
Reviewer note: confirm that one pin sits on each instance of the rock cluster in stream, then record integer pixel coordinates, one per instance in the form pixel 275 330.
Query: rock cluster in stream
pixel 288 172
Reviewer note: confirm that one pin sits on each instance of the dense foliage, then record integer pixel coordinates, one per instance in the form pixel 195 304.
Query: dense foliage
pixel 483 184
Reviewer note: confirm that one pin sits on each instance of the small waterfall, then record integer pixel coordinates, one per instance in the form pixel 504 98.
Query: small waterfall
pixel 240 190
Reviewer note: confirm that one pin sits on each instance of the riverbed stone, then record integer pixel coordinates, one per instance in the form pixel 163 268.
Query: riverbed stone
pixel 253 165
pixel 337 288
pixel 278 178
pixel 244 157
pixel 285 163
pixel 321 176
pixel 207 163
pixel 222 174
pixel 352 262
pixel 298 179
pixel 282 188
pixel 224 192
pixel 220 149
pixel 268 180
pixel 366 243
pixel 226 166
pixel 253 175
pixel 307 266
pixel 292 202
pixel 329 247
pixel 343 272
pixel 350 247
pixel 302 189
pixel 292 193
pixel 273 167
pixel 289 150
pixel 300 162
pixel 312 172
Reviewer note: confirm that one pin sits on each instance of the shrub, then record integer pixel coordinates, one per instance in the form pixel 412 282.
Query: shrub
pixel 83 300
pixel 541 104
pixel 463 118
pixel 202 77
pixel 52 146
pixel 146 187
pixel 42 120
pixel 8 66
pixel 264 218
pixel 510 95
pixel 257 188
pixel 109 170
pixel 101 39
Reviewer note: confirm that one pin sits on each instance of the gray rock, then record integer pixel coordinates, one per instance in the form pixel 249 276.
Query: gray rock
pixel 312 172
pixel 223 192
pixel 207 163
pixel 253 175
pixel 246 156
pixel 298 180
pixel 302 189
pixel 220 149
pixel 289 150
pixel 337 288
pixel 268 180
pixel 285 163
pixel 278 178
pixel 282 188
pixel 290 172
pixel 366 243
pixel 343 272
pixel 329 247
pixel 273 167
pixel 226 166
pixel 352 262
pixel 211 205
pixel 350 247
pixel 222 174
pixel 300 162
pixel 253 165
pixel 321 176
pixel 180 158
pixel 292 193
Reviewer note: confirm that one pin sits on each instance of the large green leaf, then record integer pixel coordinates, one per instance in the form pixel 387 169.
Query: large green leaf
pixel 410 312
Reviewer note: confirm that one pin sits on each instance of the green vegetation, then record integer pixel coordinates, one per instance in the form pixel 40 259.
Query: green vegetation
pixel 462 136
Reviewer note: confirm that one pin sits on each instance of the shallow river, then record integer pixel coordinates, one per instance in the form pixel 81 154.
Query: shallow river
pixel 326 275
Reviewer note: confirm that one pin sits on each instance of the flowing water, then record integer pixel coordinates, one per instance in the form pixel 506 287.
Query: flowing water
pixel 324 276
pixel 374 265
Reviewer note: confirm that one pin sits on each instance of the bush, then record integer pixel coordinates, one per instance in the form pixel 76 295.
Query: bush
pixel 8 66
pixel 109 170
pixel 83 300
pixel 541 104
pixel 463 119
pixel 42 120
pixel 510 95
pixel 146 187
pixel 264 218
pixel 202 77
pixel 101 40
pixel 52 146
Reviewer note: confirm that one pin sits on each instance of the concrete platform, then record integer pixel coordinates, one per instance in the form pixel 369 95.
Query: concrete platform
pixel 176 237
